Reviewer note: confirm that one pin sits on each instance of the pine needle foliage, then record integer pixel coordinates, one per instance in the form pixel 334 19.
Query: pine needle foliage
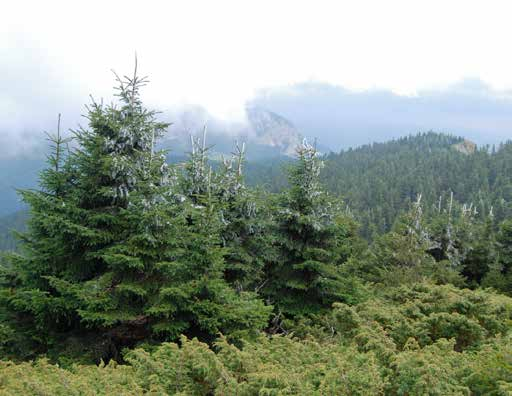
pixel 115 254
pixel 311 231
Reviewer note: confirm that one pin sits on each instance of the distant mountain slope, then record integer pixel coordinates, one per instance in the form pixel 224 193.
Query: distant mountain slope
pixel 378 180
pixel 270 129
pixel 267 135
pixel 16 221
pixel 16 173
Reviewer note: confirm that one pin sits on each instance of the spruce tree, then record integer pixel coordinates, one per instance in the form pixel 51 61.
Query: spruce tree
pixel 505 246
pixel 452 233
pixel 210 304
pixel 247 222
pixel 481 255
pixel 310 234
pixel 499 275
pixel 77 275
pixel 115 254
pixel 406 245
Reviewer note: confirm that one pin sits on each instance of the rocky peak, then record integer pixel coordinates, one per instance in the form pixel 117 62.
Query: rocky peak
pixel 273 130
pixel 465 147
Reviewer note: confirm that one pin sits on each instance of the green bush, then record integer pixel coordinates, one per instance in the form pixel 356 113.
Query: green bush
pixel 414 340
pixel 428 313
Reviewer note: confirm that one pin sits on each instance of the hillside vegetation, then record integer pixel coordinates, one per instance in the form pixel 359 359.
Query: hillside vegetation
pixel 367 349
pixel 379 180
pixel 136 276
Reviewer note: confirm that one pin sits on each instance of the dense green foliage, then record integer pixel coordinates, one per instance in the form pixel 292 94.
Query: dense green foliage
pixel 119 249
pixel 417 340
pixel 136 276
pixel 311 239
pixel 378 180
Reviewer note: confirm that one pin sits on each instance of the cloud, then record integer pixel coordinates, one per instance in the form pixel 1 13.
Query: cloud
pixel 36 87
pixel 342 118
pixel 32 95
pixel 337 116
pixel 217 54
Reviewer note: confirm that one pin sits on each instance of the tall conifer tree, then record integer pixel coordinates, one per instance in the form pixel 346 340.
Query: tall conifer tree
pixel 311 230
pixel 115 254
pixel 247 224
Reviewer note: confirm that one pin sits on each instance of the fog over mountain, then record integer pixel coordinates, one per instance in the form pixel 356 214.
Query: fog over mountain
pixel 52 60
pixel 265 133
pixel 33 93
pixel 337 117
pixel 340 118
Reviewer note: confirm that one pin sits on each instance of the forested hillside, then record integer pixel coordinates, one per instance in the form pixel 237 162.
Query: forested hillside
pixel 139 276
pixel 378 181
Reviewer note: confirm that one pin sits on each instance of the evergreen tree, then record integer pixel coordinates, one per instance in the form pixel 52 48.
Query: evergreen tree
pixel 411 252
pixel 481 256
pixel 407 244
pixel 80 271
pixel 401 253
pixel 505 246
pixel 311 229
pixel 114 254
pixel 210 301
pixel 464 239
pixel 499 275
pixel 247 221
pixel 451 233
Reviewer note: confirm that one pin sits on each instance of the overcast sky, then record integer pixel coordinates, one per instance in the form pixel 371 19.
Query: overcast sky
pixel 218 54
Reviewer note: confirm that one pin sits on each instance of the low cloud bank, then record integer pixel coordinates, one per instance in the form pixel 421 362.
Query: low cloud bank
pixel 32 96
pixel 340 118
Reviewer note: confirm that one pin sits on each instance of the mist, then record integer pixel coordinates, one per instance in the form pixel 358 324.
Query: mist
pixel 337 117
pixel 341 118
pixel 220 55
pixel 36 88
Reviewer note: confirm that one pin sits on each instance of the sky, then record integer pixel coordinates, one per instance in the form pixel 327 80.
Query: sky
pixel 340 118
pixel 220 54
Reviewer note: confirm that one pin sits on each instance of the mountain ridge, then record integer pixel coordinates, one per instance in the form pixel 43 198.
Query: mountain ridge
pixel 265 133
pixel 379 180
